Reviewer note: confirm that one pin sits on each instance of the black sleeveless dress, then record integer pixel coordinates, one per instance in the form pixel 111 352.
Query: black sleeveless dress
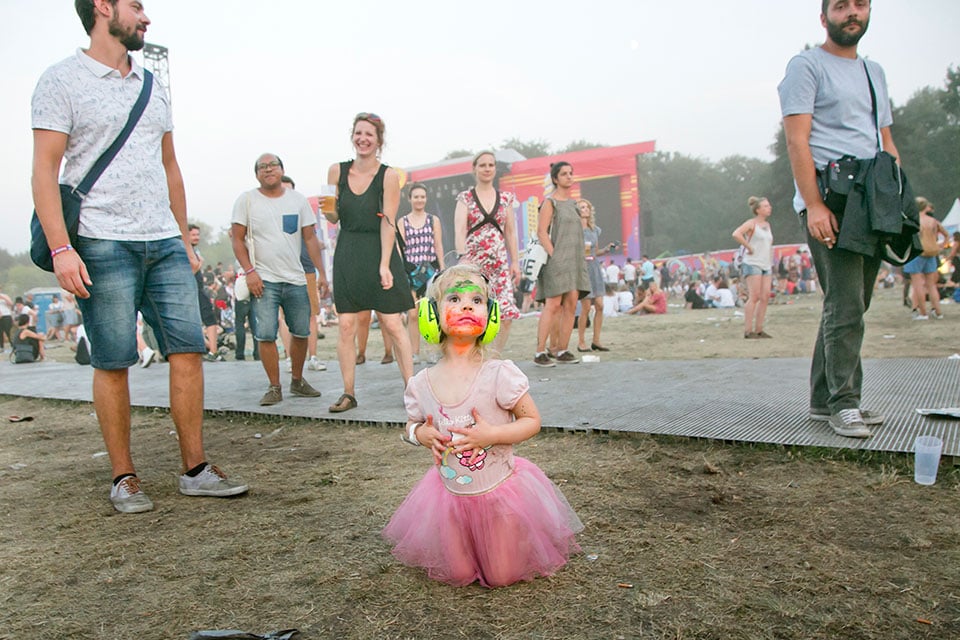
pixel 356 261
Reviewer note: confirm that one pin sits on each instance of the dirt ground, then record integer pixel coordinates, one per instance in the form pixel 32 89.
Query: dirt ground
pixel 683 539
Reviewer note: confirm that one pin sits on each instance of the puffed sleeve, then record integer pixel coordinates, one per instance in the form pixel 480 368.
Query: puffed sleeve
pixel 511 385
pixel 412 395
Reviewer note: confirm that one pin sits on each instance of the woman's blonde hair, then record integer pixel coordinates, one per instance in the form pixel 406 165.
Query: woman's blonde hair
pixel 448 276
pixel 923 203
pixel 592 222
pixel 754 202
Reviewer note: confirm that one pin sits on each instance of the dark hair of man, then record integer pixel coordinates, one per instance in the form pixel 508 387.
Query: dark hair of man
pixel 825 6
pixel 191 226
pixel 555 169
pixel 88 13
pixel 288 180
pixel 257 163
pixel 23 320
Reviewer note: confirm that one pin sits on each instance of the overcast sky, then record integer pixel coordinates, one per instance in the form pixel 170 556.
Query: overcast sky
pixel 286 76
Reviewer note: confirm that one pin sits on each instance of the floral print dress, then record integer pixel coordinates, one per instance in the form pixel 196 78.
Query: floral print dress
pixel 486 247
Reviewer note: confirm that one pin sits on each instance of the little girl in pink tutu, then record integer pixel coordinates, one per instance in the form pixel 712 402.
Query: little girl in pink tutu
pixel 481 513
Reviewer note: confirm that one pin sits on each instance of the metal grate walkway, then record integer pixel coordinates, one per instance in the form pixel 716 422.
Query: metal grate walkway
pixel 762 401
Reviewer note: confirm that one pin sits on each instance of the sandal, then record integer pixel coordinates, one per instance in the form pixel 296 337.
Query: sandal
pixel 361 359
pixel 583 349
pixel 387 359
pixel 597 347
pixel 344 403
pixel 20 418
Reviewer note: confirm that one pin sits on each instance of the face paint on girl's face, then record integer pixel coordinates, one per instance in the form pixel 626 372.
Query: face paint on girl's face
pixel 464 309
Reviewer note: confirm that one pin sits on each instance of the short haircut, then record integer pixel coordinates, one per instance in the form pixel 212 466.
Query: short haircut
pixel 288 180
pixel 88 13
pixel 191 227
pixel 23 320
pixel 257 161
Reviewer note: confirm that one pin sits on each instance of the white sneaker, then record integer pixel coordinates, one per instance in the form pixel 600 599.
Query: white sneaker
pixel 917 316
pixel 315 365
pixel 849 423
pixel 147 356
pixel 128 497
pixel 937 316
pixel 416 358
pixel 289 365
pixel 210 482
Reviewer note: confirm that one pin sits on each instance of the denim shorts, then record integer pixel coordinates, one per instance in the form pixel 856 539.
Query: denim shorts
pixel 292 298
pixel 153 277
pixel 922 264
pixel 751 270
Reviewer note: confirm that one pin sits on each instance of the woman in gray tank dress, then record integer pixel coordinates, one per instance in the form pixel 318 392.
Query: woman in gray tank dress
pixel 563 279
pixel 592 250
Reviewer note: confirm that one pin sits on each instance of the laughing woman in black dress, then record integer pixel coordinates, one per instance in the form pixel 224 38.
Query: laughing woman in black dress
pixel 368 273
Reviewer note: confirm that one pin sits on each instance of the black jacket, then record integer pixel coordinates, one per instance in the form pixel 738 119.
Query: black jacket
pixel 880 205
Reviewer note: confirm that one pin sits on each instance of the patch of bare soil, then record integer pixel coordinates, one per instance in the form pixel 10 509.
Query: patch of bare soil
pixel 683 539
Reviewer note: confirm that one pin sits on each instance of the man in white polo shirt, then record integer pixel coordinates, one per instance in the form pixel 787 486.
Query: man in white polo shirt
pixel 130 254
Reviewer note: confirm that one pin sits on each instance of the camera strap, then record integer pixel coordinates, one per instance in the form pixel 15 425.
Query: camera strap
pixel 873 105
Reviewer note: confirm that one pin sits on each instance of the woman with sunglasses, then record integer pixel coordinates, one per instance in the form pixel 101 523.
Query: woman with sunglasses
pixel 368 272
pixel 485 232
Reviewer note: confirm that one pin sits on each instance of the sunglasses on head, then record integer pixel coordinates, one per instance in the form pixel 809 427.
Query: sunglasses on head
pixel 363 115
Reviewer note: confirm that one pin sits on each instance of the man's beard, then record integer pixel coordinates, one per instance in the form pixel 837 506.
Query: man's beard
pixel 841 37
pixel 132 41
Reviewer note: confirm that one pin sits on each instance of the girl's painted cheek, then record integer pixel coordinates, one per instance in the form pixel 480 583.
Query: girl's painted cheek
pixel 462 324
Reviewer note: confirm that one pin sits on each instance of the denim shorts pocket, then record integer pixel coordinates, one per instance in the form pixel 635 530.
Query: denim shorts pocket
pixel 291 222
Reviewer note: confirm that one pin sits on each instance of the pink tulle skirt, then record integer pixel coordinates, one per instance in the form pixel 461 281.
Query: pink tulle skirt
pixel 522 529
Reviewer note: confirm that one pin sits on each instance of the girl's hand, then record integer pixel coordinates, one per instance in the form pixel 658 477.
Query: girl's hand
pixel 428 434
pixel 475 438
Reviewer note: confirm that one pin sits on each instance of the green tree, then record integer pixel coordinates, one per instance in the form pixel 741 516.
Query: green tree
pixel 580 145
pixel 458 153
pixel 527 148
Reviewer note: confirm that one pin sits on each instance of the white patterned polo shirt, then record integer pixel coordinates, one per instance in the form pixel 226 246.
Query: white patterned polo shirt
pixel 90 102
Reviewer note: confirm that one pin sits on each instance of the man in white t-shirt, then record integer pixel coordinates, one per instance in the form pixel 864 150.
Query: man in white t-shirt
pixel 611 274
pixel 278 221
pixel 630 275
pixel 130 254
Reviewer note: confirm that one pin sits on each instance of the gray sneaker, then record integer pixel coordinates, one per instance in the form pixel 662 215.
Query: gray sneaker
pixel 273 395
pixel 868 417
pixel 849 424
pixel 127 497
pixel 303 389
pixel 211 482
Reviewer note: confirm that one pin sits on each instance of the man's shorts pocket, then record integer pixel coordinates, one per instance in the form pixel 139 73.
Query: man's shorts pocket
pixel 291 222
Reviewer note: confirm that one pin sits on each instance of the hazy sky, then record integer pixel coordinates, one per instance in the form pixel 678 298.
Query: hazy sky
pixel 286 76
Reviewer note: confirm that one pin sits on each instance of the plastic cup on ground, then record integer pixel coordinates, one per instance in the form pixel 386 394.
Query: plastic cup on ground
pixel 926 459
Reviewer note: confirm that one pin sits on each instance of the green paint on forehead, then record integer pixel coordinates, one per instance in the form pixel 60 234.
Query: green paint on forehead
pixel 464 286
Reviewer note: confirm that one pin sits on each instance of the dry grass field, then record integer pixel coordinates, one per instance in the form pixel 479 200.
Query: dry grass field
pixel 684 538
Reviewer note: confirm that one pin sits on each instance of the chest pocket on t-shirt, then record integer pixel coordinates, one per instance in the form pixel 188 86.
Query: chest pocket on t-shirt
pixel 291 222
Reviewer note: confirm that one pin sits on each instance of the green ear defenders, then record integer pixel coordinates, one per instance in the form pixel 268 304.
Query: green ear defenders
pixel 428 319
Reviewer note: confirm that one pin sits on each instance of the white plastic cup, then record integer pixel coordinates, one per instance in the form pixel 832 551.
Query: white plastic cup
pixel 328 198
pixel 926 459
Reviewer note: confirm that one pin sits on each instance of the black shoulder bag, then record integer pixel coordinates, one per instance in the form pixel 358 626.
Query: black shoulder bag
pixel 71 197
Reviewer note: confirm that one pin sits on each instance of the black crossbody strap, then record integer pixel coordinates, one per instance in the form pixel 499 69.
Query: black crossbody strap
pixel 873 104
pixel 488 218
pixel 107 156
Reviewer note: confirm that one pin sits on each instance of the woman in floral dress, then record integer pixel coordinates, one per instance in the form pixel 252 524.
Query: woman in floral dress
pixel 486 235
